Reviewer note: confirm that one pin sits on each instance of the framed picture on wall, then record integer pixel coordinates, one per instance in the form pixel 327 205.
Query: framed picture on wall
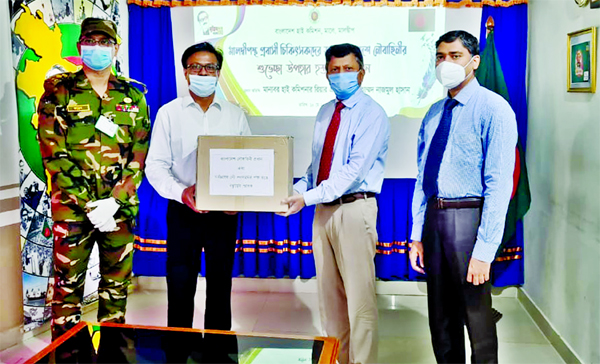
pixel 595 4
pixel 581 60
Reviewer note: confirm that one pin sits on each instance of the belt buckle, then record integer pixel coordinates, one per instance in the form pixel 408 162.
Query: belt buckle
pixel 440 203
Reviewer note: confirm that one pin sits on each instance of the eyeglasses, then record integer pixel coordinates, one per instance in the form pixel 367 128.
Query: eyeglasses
pixel 196 68
pixel 93 42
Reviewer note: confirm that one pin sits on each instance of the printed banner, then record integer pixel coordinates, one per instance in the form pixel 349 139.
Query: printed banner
pixel 277 67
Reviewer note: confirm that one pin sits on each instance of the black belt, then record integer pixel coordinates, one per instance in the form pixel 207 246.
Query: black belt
pixel 456 203
pixel 351 197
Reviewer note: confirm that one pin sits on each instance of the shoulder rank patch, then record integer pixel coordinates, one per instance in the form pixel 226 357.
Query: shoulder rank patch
pixel 78 108
pixel 60 76
pixel 55 80
pixel 127 108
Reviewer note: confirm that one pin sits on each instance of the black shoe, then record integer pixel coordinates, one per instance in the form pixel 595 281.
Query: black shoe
pixel 496 315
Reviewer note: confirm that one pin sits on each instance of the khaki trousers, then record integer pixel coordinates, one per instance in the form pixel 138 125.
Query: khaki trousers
pixel 344 239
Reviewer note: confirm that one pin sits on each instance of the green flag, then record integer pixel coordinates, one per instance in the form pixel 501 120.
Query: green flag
pixel 489 74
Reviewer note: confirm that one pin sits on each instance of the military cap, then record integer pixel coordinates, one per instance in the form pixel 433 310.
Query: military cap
pixel 96 25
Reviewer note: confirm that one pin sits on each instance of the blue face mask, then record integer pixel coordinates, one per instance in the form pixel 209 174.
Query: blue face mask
pixel 96 57
pixel 203 86
pixel 344 84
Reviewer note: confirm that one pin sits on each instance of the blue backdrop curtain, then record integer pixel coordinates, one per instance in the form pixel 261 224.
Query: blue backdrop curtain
pixel 151 61
pixel 511 29
pixel 272 246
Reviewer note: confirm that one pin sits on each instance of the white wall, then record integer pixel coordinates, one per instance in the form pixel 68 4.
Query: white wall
pixel 562 229
pixel 9 144
pixel 11 305
pixel 402 153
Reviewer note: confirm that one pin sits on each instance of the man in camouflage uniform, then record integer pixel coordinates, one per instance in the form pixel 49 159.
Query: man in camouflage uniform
pixel 93 134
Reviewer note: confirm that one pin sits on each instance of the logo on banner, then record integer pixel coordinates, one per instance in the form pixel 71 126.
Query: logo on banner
pixel 205 27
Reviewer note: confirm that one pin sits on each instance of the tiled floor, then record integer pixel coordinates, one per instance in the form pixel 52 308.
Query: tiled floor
pixel 403 327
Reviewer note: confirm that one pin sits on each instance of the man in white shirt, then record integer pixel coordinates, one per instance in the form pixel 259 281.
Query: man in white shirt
pixel 171 170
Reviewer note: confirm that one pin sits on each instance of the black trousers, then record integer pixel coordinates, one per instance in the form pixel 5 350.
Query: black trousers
pixel 448 240
pixel 189 232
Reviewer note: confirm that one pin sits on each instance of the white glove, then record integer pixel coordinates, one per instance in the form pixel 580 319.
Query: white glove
pixel 103 211
pixel 109 226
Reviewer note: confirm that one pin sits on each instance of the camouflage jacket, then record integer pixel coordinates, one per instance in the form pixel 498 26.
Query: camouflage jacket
pixel 83 163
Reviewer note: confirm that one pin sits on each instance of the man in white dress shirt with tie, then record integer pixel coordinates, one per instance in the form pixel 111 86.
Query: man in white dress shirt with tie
pixel 171 170
pixel 350 144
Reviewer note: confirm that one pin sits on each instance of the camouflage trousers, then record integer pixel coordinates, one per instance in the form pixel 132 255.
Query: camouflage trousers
pixel 73 243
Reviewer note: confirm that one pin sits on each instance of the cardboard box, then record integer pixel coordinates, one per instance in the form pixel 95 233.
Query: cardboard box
pixel 244 173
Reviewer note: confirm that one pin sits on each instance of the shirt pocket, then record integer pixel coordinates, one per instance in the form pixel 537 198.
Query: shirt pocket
pixel 81 144
pixel 125 121
pixel 80 134
pixel 466 148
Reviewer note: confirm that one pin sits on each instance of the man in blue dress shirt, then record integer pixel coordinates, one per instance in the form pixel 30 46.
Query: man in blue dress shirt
pixel 350 144
pixel 466 157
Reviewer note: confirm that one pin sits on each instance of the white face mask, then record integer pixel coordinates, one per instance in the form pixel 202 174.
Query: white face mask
pixel 203 86
pixel 451 74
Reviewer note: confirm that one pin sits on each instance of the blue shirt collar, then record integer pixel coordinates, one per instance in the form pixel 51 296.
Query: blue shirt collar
pixel 354 99
pixel 469 90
